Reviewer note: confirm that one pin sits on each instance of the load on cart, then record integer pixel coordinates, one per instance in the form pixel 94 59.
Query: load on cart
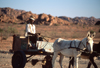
pixel 21 47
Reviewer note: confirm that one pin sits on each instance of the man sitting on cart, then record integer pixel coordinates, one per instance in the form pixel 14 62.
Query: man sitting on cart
pixel 31 33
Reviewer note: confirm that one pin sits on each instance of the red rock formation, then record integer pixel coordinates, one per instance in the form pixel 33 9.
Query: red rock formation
pixel 20 16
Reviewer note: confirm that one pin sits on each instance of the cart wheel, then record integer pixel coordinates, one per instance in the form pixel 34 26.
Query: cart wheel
pixel 19 59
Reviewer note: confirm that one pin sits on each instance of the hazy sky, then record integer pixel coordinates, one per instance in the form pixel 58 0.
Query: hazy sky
pixel 69 8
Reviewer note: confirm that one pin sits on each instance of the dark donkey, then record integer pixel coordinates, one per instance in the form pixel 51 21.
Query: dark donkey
pixel 96 51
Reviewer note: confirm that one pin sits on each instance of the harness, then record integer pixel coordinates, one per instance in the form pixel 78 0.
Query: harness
pixel 77 48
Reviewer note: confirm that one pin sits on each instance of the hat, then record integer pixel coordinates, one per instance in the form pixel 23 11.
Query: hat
pixel 32 18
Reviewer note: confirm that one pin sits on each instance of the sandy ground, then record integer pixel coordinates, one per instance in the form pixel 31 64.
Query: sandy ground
pixel 6 57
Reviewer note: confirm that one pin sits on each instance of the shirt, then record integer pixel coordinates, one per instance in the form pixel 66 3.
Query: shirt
pixel 30 28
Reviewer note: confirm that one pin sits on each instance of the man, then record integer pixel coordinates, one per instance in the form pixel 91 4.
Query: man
pixel 30 27
pixel 31 32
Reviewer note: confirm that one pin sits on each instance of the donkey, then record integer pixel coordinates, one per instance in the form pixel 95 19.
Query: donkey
pixel 71 48
pixel 95 53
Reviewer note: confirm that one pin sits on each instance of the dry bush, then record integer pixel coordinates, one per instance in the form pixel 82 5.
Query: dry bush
pixel 71 31
pixel 99 30
pixel 8 31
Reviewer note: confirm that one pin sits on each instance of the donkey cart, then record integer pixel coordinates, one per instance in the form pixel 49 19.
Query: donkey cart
pixel 22 52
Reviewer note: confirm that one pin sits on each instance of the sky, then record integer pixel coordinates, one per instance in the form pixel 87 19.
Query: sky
pixel 68 8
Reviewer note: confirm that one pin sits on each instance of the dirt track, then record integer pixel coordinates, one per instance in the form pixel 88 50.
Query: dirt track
pixel 5 61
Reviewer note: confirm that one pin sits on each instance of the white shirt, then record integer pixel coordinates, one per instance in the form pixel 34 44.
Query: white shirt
pixel 30 28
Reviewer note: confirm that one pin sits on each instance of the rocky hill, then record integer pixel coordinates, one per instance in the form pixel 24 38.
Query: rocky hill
pixel 81 20
pixel 9 15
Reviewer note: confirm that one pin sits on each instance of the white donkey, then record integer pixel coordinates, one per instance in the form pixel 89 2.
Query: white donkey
pixel 71 48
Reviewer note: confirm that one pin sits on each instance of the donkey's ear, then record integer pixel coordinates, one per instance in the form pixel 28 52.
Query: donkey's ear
pixel 93 35
pixel 88 34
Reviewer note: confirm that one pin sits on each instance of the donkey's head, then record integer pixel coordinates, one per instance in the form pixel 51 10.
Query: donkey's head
pixel 89 41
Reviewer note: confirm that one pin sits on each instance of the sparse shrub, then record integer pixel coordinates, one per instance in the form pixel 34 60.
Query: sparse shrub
pixel 4 38
pixel 91 31
pixel 11 30
pixel 14 23
pixel 6 22
pixel 99 30
pixel 56 25
pixel 74 36
pixel 1 30
pixel 83 26
pixel 6 32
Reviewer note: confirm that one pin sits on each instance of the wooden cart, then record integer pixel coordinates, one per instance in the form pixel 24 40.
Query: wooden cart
pixel 21 49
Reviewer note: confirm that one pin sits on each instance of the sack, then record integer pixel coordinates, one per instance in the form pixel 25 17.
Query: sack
pixel 47 46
